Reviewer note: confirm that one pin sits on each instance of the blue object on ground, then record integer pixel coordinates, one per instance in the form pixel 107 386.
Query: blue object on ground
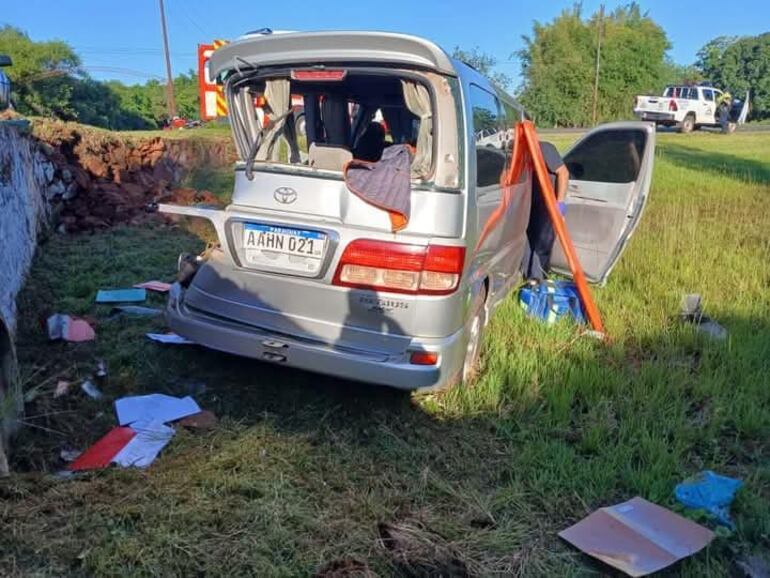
pixel 711 492
pixel 121 295
pixel 550 300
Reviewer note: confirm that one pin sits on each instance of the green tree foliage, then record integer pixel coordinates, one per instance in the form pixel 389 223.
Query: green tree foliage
pixel 738 65
pixel 41 74
pixel 47 80
pixel 484 63
pixel 559 58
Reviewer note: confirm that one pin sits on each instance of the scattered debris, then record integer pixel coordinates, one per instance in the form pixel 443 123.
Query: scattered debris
pixel 155 406
pixel 69 455
pixel 121 295
pixel 91 390
pixel 204 419
pixel 142 449
pixel 101 370
pixel 158 286
pixel 754 566
pixel 134 311
pixel 62 388
pixel 101 454
pixel 69 328
pixel 711 492
pixel 172 338
pixel 637 536
pixel 692 312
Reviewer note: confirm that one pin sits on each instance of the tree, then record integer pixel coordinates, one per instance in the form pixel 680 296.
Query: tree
pixel 483 63
pixel 740 64
pixel 41 73
pixel 559 58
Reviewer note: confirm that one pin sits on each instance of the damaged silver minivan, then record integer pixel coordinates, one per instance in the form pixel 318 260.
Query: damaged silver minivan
pixel 311 273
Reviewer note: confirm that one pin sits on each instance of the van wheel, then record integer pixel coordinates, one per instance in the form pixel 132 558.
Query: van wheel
pixel 475 340
pixel 688 124
pixel 10 396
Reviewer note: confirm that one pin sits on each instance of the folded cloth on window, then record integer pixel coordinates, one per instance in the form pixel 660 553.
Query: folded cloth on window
pixel 386 184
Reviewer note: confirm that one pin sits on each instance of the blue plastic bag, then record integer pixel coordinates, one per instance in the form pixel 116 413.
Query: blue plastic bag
pixel 551 300
pixel 711 492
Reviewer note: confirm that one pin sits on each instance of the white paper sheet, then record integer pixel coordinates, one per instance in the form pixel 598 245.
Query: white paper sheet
pixel 169 338
pixel 154 407
pixel 151 437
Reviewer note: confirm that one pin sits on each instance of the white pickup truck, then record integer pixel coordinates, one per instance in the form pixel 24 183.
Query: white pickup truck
pixel 686 107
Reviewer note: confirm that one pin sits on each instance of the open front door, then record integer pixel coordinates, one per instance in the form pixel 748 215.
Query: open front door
pixel 610 173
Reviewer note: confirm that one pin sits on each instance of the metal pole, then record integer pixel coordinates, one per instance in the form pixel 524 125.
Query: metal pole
pixel 598 61
pixel 171 102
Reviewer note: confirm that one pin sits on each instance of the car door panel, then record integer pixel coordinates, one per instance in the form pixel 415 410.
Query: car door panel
pixel 610 174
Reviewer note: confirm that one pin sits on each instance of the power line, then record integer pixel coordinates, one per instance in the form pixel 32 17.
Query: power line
pixel 191 20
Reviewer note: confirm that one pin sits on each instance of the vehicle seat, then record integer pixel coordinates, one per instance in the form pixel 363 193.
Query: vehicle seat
pixel 371 144
pixel 328 157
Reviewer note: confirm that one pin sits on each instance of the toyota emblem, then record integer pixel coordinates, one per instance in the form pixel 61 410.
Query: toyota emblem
pixel 285 195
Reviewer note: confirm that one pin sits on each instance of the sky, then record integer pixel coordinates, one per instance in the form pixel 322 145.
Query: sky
pixel 122 40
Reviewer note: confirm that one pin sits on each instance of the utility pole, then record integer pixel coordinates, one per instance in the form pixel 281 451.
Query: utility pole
pixel 170 101
pixel 599 33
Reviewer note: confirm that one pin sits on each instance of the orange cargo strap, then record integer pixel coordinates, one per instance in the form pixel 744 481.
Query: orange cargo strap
pixel 526 141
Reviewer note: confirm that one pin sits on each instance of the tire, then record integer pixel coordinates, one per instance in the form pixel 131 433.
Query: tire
pixel 10 396
pixel 687 125
pixel 470 368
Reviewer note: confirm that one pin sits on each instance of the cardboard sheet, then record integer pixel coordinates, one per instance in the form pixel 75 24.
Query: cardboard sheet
pixel 637 536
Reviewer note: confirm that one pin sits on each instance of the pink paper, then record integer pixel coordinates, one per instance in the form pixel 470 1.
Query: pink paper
pixel 158 286
pixel 79 330
pixel 69 328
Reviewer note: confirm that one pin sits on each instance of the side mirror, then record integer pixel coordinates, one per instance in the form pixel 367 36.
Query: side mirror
pixel 5 60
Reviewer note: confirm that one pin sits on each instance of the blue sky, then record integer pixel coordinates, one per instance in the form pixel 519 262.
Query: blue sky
pixel 122 39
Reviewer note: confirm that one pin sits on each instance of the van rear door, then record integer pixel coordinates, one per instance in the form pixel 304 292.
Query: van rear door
pixel 610 174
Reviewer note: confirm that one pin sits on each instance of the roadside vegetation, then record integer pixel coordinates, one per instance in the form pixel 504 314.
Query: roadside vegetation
pixel 305 473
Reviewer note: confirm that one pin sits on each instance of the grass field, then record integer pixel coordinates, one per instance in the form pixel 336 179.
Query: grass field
pixel 304 473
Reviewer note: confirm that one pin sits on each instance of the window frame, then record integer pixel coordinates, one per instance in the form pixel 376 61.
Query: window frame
pixel 500 124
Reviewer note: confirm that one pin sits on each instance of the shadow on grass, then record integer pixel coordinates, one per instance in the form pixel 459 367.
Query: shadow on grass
pixel 718 163
pixel 480 480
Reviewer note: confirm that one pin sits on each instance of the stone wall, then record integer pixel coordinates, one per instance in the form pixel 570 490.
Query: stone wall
pixel 27 184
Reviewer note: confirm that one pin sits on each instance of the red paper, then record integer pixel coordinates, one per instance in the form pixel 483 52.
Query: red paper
pixel 101 453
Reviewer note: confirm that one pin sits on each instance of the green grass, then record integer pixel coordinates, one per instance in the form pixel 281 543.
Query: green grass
pixel 303 470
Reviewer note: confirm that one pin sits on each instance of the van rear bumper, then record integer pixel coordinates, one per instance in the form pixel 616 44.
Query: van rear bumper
pixel 379 368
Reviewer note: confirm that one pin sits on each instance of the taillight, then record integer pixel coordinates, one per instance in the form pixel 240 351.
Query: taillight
pixel 423 358
pixel 672 105
pixel 400 268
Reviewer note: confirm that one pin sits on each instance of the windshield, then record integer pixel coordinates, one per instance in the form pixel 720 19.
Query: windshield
pixel 321 119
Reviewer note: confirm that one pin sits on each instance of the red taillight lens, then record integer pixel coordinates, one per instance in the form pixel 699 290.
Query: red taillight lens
pixel 672 105
pixel 423 358
pixel 400 268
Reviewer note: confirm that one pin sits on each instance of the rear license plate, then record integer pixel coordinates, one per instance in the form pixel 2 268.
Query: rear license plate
pixel 284 248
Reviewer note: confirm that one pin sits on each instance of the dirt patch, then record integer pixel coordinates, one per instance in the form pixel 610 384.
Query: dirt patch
pixel 104 178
